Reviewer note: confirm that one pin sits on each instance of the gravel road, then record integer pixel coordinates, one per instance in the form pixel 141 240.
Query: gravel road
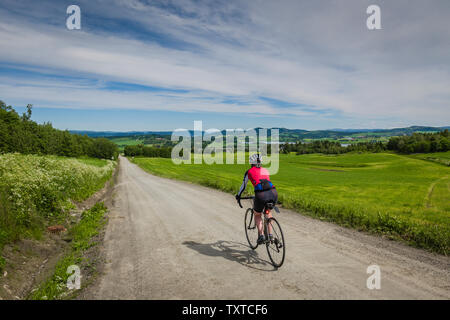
pixel 168 239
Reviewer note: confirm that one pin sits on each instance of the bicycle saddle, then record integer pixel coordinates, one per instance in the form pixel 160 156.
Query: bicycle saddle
pixel 270 204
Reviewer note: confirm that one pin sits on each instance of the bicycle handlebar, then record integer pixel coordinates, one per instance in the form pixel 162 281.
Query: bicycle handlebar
pixel 253 197
pixel 245 198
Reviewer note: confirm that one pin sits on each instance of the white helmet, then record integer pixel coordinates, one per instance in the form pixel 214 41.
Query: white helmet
pixel 255 159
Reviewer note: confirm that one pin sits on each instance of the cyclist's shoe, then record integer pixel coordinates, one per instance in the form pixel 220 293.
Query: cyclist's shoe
pixel 261 239
pixel 270 237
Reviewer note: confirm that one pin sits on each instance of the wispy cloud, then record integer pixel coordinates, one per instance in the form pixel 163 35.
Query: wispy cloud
pixel 294 58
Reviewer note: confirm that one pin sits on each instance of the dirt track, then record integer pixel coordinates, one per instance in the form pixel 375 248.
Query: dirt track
pixel 173 240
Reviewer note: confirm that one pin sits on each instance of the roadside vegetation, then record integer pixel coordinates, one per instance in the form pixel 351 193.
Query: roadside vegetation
pixel 390 194
pixel 41 170
pixel 83 237
pixel 36 191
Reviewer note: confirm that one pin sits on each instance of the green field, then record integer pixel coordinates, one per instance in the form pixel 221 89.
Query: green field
pixel 396 195
pixel 122 142
pixel 147 140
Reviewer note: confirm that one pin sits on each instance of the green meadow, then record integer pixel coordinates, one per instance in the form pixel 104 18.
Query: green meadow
pixel 122 142
pixel 439 157
pixel 401 197
pixel 147 140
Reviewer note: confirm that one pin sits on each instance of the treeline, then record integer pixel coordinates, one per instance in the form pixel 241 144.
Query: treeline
pixel 415 143
pixel 152 152
pixel 18 133
pixel 421 143
pixel 331 147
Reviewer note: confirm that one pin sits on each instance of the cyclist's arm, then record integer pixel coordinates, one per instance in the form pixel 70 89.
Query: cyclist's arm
pixel 244 184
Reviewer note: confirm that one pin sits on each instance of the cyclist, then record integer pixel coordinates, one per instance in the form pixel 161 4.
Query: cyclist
pixel 264 191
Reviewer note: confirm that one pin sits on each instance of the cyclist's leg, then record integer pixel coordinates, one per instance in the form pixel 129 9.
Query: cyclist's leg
pixel 258 221
pixel 258 207
pixel 272 195
pixel 269 225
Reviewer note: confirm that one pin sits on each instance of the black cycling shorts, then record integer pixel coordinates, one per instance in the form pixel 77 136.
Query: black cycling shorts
pixel 262 197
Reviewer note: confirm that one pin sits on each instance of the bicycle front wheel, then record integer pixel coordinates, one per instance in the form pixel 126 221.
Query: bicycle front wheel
pixel 276 247
pixel 251 232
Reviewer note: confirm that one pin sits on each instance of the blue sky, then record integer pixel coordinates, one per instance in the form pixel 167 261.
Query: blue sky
pixel 160 65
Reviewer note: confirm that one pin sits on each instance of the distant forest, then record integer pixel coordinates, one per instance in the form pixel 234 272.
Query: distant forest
pixel 421 142
pixel 415 143
pixel 331 147
pixel 156 151
pixel 18 133
pixel 145 151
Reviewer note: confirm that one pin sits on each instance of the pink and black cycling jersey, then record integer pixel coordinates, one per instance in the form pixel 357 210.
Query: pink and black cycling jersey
pixel 260 179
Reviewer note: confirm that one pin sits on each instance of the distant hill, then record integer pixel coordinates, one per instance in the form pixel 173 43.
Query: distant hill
pixel 412 128
pixel 108 134
pixel 290 135
pixel 287 134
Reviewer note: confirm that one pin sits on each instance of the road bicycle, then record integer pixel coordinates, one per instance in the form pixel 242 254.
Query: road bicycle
pixel 275 245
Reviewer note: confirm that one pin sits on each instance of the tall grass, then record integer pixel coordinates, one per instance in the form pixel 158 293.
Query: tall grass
pixel 423 234
pixel 37 189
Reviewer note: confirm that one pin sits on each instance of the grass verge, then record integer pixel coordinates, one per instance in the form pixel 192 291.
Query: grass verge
pixel 83 238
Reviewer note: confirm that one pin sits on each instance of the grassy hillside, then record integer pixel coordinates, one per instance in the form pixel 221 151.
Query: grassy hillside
pixel 386 193
pixel 35 190
pixel 438 157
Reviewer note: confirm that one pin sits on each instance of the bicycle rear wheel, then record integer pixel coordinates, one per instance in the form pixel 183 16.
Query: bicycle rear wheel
pixel 276 248
pixel 251 232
